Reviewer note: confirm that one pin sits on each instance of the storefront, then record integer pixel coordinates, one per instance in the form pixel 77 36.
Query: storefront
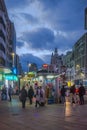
pixel 50 84
pixel 7 78
pixel 3 71
pixel 28 78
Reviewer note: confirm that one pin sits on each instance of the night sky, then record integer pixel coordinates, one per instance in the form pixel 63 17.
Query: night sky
pixel 42 25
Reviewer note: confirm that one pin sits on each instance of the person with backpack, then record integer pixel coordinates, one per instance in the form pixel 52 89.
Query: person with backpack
pixel 81 94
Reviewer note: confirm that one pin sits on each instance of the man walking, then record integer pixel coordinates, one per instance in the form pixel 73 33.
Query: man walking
pixel 81 94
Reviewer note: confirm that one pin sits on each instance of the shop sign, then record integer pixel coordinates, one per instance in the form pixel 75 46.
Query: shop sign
pixel 31 74
pixel 11 77
pixel 14 70
pixel 45 66
pixel 0 77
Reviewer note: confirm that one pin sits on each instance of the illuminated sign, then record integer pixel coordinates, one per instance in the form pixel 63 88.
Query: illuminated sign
pixel 11 77
pixel 45 65
pixel 50 76
pixel 14 70
pixel 70 83
pixel 0 77
pixel 31 74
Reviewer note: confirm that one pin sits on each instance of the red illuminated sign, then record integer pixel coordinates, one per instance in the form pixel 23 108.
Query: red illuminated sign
pixel 45 65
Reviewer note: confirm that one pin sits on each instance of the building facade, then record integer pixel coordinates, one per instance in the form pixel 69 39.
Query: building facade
pixel 8 61
pixel 56 61
pixel 6 37
pixel 80 57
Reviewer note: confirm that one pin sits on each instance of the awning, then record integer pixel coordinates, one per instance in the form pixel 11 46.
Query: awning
pixel 4 70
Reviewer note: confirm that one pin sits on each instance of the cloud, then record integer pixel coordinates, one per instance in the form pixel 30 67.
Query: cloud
pixel 12 4
pixel 42 25
pixel 29 18
pixel 39 38
pixel 64 15
pixel 19 44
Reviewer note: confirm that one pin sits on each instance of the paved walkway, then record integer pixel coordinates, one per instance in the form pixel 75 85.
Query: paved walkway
pixel 50 117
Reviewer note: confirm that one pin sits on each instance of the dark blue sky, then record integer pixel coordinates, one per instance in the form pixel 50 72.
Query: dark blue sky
pixel 42 25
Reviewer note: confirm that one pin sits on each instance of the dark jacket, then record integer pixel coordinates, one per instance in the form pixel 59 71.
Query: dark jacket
pixel 23 94
pixel 30 93
pixel 63 90
pixel 81 91
pixel 72 89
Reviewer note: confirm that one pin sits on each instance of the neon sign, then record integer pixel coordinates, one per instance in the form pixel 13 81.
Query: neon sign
pixel 11 77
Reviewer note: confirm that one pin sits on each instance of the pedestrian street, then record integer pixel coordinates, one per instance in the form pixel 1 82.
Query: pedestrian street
pixel 49 117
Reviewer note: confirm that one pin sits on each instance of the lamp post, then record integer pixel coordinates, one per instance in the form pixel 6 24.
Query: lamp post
pixel 77 71
pixel 70 76
pixel 28 67
pixel 13 54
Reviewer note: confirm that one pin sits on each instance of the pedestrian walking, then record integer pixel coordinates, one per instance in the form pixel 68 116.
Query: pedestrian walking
pixel 37 97
pixel 4 93
pixel 81 94
pixel 10 93
pixel 30 94
pixel 42 96
pixel 73 94
pixel 23 96
pixel 62 91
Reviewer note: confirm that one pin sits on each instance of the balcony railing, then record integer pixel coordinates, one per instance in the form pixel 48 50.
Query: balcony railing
pixel 2 41
pixel 2 55
pixel 2 28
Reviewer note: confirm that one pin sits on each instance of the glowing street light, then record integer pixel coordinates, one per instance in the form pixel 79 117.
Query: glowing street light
pixel 28 66
pixel 13 54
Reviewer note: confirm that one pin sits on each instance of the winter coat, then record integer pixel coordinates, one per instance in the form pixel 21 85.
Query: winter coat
pixel 30 93
pixel 63 90
pixel 81 91
pixel 23 94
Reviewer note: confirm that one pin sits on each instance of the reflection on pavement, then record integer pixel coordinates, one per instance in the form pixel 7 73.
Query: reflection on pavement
pixel 68 109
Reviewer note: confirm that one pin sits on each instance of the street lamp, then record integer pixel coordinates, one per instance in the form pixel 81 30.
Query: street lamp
pixel 77 71
pixel 28 65
pixel 13 54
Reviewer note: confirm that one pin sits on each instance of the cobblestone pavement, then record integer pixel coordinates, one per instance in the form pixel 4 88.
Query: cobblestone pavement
pixel 50 117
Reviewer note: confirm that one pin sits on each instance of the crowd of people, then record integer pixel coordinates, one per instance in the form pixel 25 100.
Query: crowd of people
pixel 76 95
pixel 41 95
pixel 6 93
pixel 38 93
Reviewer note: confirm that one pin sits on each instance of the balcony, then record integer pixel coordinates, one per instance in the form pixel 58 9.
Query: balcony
pixel 2 28
pixel 2 55
pixel 2 41
pixel 3 16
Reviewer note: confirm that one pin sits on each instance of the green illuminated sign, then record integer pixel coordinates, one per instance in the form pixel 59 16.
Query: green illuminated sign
pixel 0 77
pixel 11 77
